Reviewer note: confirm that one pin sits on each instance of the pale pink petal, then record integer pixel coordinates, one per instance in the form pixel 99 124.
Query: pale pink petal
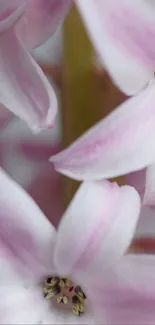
pixel 10 279
pixel 66 317
pixel 23 306
pixel 124 36
pixel 119 144
pixel 96 229
pixel 24 230
pixel 127 293
pixel 137 180
pixel 146 223
pixel 10 12
pixel 39 152
pixel 5 116
pixel 40 20
pixel 149 195
pixel 24 88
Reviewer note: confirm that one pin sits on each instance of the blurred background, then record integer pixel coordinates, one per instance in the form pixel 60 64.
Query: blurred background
pixel 85 94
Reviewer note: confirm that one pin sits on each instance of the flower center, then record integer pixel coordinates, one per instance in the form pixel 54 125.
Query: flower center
pixel 64 292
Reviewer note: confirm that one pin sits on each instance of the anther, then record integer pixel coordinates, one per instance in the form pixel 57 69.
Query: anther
pixel 80 293
pixel 76 311
pixel 62 283
pixel 51 292
pixel 65 300
pixel 68 283
pixel 60 299
pixel 52 281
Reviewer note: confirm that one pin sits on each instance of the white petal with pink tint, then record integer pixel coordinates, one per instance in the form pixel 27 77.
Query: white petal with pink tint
pixel 10 279
pixel 40 20
pixel 96 229
pixel 66 317
pixel 24 230
pixel 23 306
pixel 119 144
pixel 24 88
pixel 127 295
pixel 149 195
pixel 124 36
pixel 10 12
pixel 31 96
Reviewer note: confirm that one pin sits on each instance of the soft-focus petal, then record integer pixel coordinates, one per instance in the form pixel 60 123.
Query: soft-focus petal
pixel 146 223
pixel 96 229
pixel 66 317
pixel 24 88
pixel 127 294
pixel 23 306
pixel 10 12
pixel 40 20
pixel 149 195
pixel 5 116
pixel 24 230
pixel 9 277
pixel 137 180
pixel 119 144
pixel 124 36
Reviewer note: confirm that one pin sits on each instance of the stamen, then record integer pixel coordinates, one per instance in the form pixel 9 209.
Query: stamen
pixel 76 310
pixel 65 300
pixel 62 283
pixel 69 284
pixel 80 293
pixel 51 292
pixel 52 281
pixel 65 292
pixel 60 299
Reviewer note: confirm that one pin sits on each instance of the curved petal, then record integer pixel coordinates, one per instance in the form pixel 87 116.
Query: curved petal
pixel 126 295
pixel 24 88
pixel 119 144
pixel 96 229
pixel 149 195
pixel 40 20
pixel 10 12
pixel 124 36
pixel 24 230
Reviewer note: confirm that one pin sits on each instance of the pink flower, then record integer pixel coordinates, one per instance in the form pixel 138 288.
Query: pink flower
pixel 124 36
pixel 88 248
pixel 24 88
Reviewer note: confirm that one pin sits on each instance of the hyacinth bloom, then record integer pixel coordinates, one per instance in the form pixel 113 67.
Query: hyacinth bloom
pixel 83 262
pixel 24 88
